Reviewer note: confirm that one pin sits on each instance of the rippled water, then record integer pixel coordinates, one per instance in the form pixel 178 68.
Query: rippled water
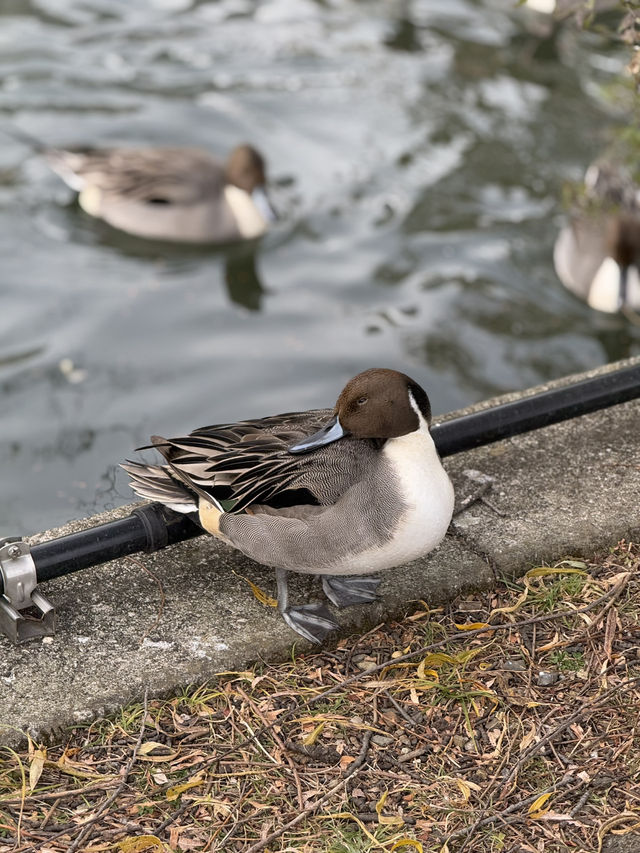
pixel 417 150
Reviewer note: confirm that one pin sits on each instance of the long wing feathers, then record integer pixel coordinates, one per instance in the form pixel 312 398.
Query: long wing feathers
pixel 176 175
pixel 247 463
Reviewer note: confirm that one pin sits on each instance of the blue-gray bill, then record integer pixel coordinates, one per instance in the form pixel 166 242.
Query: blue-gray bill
pixel 329 433
pixel 263 204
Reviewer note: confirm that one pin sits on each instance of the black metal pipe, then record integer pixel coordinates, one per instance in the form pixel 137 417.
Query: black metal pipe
pixel 148 528
pixel 153 526
pixel 537 410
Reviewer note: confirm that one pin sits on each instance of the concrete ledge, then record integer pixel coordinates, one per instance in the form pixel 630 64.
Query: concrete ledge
pixel 568 489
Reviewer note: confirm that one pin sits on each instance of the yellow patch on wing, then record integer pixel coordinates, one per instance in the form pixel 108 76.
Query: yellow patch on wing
pixel 210 518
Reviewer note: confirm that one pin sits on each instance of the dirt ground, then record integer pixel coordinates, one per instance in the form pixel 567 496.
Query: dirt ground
pixel 504 722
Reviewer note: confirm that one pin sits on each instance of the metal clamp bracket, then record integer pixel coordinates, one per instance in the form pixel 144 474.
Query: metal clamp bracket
pixel 19 581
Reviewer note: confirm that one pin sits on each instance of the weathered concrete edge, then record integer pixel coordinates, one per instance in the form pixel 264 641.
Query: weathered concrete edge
pixel 211 622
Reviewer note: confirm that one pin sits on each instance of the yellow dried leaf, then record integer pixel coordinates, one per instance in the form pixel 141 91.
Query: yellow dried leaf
pixel 536 809
pixel 313 736
pixel 390 820
pixel 349 816
pixel 38 758
pixel 435 659
pixel 176 790
pixel 550 645
pixel 141 843
pixel 528 739
pixel 464 788
pixel 513 607
pixel 543 571
pixel 387 820
pixel 422 673
pixel 408 842
pixel 438 659
pixel 262 597
pixel 472 626
pixel 152 750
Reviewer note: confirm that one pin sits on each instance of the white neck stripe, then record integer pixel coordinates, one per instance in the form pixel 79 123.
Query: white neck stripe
pixel 422 424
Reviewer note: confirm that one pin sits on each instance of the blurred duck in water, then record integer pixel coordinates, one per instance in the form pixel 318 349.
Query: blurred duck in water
pixel 597 253
pixel 182 195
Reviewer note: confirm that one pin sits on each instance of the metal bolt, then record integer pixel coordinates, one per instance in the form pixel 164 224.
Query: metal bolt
pixel 13 552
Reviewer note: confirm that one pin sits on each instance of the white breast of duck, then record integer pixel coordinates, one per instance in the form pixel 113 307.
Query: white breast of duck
pixel 426 495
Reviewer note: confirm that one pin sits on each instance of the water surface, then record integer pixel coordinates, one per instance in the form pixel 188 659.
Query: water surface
pixel 417 151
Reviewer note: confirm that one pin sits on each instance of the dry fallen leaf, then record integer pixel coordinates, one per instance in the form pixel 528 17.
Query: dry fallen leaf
pixel 141 843
pixel 387 820
pixel 38 759
pixel 310 739
pixel 262 596
pixel 528 739
pixel 176 790
pixel 345 761
pixel 536 809
pixel 408 842
pixel 152 750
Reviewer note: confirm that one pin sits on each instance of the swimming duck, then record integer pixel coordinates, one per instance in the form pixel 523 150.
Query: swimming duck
pixel 179 194
pixel 597 254
pixel 340 493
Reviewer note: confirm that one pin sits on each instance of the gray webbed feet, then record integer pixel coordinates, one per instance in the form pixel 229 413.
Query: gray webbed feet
pixel 311 621
pixel 352 589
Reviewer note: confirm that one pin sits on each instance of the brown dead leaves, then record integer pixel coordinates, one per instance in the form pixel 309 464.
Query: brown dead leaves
pixel 466 742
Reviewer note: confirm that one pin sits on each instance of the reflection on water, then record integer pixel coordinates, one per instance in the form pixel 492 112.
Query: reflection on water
pixel 417 151
pixel 242 281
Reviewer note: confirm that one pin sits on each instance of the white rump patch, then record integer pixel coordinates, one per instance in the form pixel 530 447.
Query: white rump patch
pixel 191 507
pixel 545 7
pixel 90 200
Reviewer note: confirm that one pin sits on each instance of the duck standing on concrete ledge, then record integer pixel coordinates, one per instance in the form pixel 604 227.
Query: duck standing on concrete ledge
pixel 183 195
pixel 597 254
pixel 341 494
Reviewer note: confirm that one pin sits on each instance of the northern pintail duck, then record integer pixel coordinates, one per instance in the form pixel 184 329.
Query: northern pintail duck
pixel 339 493
pixel 183 195
pixel 597 254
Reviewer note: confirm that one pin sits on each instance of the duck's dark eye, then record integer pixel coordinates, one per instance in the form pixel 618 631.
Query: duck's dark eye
pixel 362 401
pixel 157 201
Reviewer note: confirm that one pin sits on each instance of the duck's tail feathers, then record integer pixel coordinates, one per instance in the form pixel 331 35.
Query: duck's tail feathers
pixel 67 165
pixel 64 163
pixel 167 486
pixel 154 483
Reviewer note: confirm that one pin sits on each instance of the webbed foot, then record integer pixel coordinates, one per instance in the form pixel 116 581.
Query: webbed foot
pixel 311 621
pixel 352 589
